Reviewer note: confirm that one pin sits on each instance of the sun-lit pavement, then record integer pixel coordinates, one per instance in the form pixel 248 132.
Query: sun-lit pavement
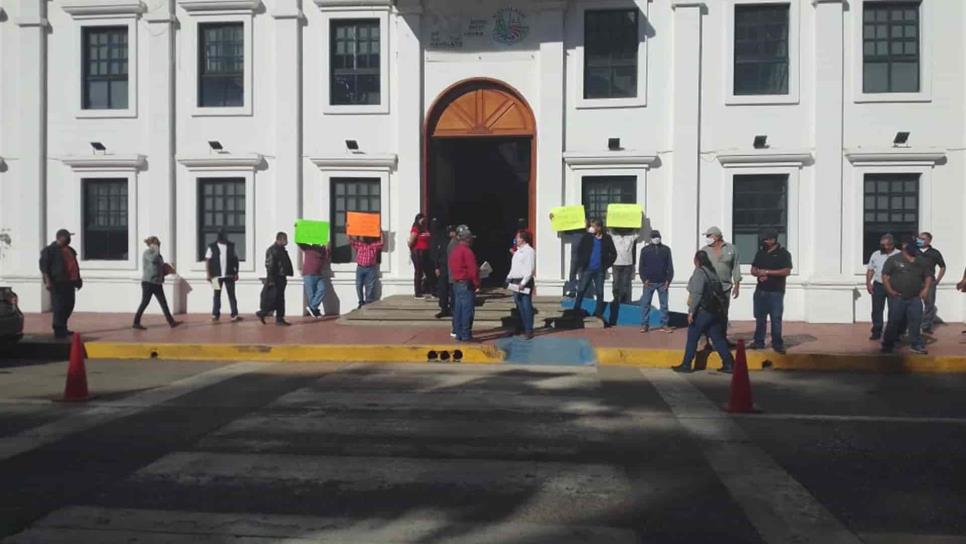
pixel 261 452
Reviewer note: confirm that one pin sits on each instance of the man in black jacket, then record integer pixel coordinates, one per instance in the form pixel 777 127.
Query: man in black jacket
pixel 222 264
pixel 595 255
pixel 278 267
pixel 439 253
pixel 61 273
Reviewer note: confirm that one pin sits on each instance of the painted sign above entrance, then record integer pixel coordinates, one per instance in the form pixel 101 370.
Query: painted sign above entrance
pixel 481 26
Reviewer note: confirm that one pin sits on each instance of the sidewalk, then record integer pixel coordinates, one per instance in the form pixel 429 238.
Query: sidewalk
pixel 810 346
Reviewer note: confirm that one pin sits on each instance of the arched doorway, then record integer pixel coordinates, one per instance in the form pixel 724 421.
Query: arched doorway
pixel 480 165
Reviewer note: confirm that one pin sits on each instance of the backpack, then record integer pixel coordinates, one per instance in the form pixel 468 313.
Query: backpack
pixel 713 299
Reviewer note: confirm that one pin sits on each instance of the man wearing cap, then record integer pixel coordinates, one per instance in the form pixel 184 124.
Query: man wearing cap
pixel 61 273
pixel 725 260
pixel 907 278
pixel 657 272
pixel 772 265
pixel 465 275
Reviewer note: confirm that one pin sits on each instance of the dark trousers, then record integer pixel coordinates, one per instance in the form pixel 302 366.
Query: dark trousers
pixel 464 307
pixel 588 278
pixel 273 298
pixel 769 305
pixel 621 277
pixel 155 290
pixel 444 291
pixel 908 312
pixel 707 323
pixel 62 297
pixel 929 308
pixel 419 262
pixel 227 284
pixel 879 301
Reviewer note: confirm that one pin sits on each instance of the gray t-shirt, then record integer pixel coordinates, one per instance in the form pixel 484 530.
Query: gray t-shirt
pixel 726 264
pixel 906 277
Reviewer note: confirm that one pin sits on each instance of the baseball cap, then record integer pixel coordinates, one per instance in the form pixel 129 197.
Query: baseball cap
pixel 655 233
pixel 464 233
pixel 769 234
pixel 713 231
pixel 64 232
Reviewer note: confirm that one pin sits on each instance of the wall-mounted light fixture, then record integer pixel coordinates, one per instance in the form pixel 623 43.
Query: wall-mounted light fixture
pixel 614 144
pixel 761 142
pixel 98 146
pixel 901 139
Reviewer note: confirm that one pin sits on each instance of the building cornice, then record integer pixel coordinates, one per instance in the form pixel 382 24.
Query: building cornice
pixel 218 6
pixel 3 164
pixel 222 161
pixel 358 161
pixel 817 2
pixel 765 157
pixel 610 159
pixel 354 5
pixel 106 162
pixel 900 156
pixel 104 8
pixel 676 4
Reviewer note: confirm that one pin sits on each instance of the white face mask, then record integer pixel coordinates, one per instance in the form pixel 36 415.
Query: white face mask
pixel 591 230
pixel 655 240
pixel 711 240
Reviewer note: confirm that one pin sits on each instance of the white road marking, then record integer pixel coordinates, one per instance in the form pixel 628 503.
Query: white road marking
pixel 779 507
pixel 109 411
pixel 108 526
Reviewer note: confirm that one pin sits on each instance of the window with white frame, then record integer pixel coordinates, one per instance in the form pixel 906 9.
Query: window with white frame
pixel 105 68
pixel 611 43
pixel 891 47
pixel 890 206
pixel 761 49
pixel 105 219
pixel 221 65
pixel 355 63
pixel 602 191
pixel 221 207
pixel 759 202
pixel 350 195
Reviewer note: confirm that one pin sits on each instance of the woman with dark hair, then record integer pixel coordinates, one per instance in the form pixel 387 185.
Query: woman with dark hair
pixel 520 279
pixel 419 237
pixel 152 281
pixel 706 314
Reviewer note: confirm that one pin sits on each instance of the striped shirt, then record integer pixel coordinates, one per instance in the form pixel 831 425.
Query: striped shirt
pixel 366 253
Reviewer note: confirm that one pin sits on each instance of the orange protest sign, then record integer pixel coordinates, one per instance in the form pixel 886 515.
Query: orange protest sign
pixel 363 224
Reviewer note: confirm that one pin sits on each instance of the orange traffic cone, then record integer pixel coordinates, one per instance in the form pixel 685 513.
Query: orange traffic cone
pixel 76 388
pixel 740 402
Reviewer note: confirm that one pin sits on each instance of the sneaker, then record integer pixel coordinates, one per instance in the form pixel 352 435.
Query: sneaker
pixel 779 349
pixel 138 326
pixel 309 311
pixel 756 346
pixel 875 337
pixel 927 331
pixel 215 318
pixel 921 350
pixel 645 329
pixel 667 329
pixel 684 369
pixel 283 323
pixel 260 316
pixel 174 324
pixel 237 318
pixel 452 335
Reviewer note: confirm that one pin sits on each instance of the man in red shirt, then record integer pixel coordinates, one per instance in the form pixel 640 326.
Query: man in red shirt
pixel 367 267
pixel 465 275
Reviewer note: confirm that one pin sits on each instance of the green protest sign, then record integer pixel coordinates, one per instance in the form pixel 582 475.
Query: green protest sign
pixel 624 216
pixel 568 218
pixel 312 232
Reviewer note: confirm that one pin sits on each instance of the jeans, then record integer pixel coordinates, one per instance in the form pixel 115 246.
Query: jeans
pixel 463 310
pixel 314 291
pixel 226 284
pixel 649 289
pixel 155 290
pixel 879 301
pixel 366 283
pixel 525 309
pixel 769 304
pixel 588 277
pixel 929 308
pixel 621 276
pixel 419 260
pixel 909 311
pixel 273 298
pixel 706 323
pixel 62 298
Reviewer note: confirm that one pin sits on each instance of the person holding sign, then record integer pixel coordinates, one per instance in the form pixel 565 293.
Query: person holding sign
pixel 520 279
pixel 278 268
pixel 595 255
pixel 313 261
pixel 367 267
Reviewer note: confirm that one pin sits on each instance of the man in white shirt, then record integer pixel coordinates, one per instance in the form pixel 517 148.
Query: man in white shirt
pixel 520 279
pixel 873 282
pixel 625 241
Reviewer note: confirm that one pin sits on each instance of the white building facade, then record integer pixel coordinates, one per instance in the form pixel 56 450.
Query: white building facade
pixel 235 115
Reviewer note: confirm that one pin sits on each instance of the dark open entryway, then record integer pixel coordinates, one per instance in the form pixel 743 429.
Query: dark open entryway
pixel 483 183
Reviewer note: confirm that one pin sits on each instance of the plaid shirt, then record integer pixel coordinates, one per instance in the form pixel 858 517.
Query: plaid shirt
pixel 366 253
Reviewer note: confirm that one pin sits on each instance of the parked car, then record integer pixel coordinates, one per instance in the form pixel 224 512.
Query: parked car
pixel 11 318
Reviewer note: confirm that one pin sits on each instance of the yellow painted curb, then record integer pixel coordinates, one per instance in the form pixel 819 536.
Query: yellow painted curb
pixel 758 360
pixel 473 354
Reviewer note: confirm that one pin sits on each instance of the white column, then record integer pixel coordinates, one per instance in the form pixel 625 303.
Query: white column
pixel 550 141
pixel 405 184
pixel 286 173
pixel 828 296
pixel 156 197
pixel 685 130
pixel 26 214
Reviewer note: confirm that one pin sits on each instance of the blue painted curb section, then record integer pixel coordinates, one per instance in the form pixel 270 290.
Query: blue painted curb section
pixel 547 351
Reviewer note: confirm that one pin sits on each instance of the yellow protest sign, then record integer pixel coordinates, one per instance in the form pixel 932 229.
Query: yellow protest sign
pixel 624 216
pixel 568 218
pixel 363 224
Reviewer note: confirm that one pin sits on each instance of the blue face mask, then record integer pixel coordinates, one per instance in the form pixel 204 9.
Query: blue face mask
pixel 920 242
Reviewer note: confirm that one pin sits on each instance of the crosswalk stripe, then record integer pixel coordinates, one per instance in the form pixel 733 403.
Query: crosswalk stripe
pixel 110 526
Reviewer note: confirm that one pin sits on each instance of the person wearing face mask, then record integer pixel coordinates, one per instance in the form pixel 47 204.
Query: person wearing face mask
pixel 772 265
pixel 622 275
pixel 278 268
pixel 935 260
pixel 61 273
pixel 520 279
pixel 657 272
pixel 726 263
pixel 873 282
pixel 595 255
pixel 907 279
pixel 152 282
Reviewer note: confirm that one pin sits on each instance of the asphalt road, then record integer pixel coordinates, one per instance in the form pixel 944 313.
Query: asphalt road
pixel 265 453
